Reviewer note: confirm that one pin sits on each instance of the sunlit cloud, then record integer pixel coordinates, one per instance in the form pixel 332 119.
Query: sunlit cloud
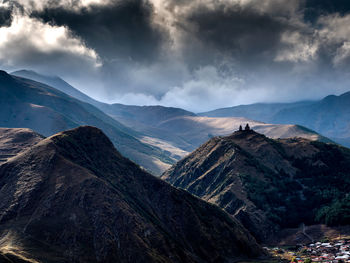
pixel 181 53
pixel 28 42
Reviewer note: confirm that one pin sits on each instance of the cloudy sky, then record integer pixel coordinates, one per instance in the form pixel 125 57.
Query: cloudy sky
pixel 194 54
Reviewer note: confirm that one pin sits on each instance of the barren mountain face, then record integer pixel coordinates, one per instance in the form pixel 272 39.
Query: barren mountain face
pixel 73 198
pixel 269 184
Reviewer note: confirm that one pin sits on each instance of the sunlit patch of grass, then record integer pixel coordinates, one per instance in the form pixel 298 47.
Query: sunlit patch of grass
pixel 10 245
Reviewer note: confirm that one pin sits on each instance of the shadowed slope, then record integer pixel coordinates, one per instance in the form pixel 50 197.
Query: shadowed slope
pixel 269 184
pixel 73 197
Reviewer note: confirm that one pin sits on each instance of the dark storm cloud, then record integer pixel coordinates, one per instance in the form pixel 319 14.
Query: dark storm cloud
pixel 181 53
pixel 121 29
pixel 315 8
pixel 5 16
pixel 248 36
pixel 329 6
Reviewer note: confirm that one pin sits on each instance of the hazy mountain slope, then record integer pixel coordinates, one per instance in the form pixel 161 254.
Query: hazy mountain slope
pixel 259 111
pixel 177 131
pixel 73 198
pixel 26 103
pixel 141 118
pixel 57 83
pixel 269 183
pixel 150 115
pixel 181 135
pixel 142 114
pixel 330 116
pixel 197 130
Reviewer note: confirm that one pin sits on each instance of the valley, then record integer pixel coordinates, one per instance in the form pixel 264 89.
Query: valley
pixel 178 132
pixel 29 104
pixel 268 179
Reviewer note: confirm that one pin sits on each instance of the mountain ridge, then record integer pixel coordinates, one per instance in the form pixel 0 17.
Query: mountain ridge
pixel 27 103
pixel 268 184
pixel 257 111
pixel 80 199
pixel 178 132
pixel 56 82
pixel 328 116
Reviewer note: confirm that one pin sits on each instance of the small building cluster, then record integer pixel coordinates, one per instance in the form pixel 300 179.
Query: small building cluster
pixel 333 252
pixel 329 252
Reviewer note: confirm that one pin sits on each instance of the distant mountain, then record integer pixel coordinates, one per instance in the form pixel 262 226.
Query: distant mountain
pixel 183 134
pixel 177 131
pixel 329 116
pixel 143 114
pixel 57 83
pixel 73 198
pixel 269 184
pixel 141 118
pixel 264 112
pixel 197 130
pixel 148 115
pixel 30 104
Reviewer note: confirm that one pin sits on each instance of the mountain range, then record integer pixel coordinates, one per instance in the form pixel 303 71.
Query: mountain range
pixel 29 104
pixel 176 131
pixel 258 111
pixel 329 116
pixel 73 197
pixel 269 184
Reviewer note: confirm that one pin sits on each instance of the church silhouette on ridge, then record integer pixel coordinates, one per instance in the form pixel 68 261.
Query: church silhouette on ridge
pixel 247 127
